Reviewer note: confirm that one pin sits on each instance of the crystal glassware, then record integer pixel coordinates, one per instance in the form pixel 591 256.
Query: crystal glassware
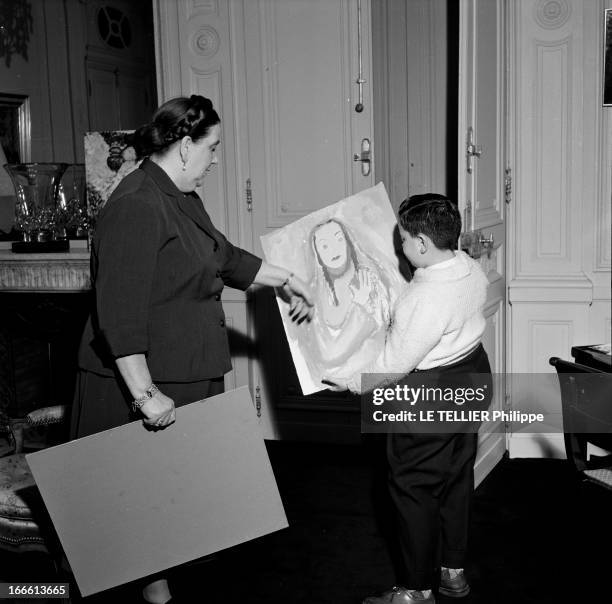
pixel 36 187
pixel 71 205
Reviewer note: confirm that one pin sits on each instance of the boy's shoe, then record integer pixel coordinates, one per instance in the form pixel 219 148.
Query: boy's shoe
pixel 454 586
pixel 401 595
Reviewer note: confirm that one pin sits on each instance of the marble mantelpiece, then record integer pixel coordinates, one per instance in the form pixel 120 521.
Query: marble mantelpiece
pixel 50 272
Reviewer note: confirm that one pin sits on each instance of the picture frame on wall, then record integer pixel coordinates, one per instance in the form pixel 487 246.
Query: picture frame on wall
pixel 109 157
pixel 15 128
pixel 607 75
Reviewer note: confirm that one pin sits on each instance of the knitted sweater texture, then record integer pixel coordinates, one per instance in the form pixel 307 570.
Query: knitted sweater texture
pixel 436 320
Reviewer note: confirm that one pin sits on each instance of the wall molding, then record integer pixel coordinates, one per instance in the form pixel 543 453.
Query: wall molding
pixel 550 291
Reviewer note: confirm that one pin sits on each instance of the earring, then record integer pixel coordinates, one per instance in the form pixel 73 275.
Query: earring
pixel 184 165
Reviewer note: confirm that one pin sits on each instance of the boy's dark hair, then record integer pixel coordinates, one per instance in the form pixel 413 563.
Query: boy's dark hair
pixel 433 215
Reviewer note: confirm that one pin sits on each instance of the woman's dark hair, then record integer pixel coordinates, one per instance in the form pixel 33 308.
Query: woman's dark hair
pixel 176 118
pixel 352 254
pixel 433 215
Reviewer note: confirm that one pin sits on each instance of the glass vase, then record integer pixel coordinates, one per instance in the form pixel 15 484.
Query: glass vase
pixel 71 204
pixel 36 187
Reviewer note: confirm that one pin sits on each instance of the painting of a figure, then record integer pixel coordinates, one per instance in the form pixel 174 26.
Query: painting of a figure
pixel 109 156
pixel 345 252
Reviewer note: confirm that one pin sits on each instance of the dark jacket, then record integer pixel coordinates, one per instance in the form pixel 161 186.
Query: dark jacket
pixel 158 267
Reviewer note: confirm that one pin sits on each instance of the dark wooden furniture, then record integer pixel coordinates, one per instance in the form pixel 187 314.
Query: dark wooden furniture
pixel 44 302
pixel 587 418
pixel 593 358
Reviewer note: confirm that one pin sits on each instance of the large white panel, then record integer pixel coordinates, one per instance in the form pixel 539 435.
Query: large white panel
pixel 552 153
pixel 542 330
pixel 488 116
pixel 303 94
pixel 603 259
pixel 548 104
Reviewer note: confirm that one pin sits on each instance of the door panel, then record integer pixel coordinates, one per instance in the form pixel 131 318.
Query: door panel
pixel 488 115
pixel 103 101
pixel 302 132
pixel 301 69
pixel 481 184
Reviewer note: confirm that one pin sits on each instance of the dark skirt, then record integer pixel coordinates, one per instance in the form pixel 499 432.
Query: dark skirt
pixel 103 402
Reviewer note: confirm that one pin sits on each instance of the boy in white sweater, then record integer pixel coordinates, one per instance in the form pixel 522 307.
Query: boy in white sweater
pixel 437 325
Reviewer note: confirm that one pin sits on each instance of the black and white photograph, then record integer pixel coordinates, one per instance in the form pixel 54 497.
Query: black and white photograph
pixel 305 301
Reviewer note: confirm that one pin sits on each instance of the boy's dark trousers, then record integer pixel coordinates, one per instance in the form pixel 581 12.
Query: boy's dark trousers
pixel 431 481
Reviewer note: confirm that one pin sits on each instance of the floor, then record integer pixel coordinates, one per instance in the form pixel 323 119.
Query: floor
pixel 534 539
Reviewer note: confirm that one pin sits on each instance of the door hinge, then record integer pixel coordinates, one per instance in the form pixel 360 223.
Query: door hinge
pixel 258 400
pixel 507 408
pixel 508 185
pixel 249 199
pixel 467 219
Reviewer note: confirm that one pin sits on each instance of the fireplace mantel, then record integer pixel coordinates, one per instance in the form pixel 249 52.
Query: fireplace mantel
pixel 57 272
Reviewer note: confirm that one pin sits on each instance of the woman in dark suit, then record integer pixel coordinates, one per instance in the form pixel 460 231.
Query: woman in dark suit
pixel 157 337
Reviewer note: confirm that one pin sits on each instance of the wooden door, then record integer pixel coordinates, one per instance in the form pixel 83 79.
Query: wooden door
pixel 302 67
pixel 103 100
pixel 482 183
pixel 136 97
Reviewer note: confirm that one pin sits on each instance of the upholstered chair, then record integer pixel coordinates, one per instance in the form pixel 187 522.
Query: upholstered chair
pixel 24 523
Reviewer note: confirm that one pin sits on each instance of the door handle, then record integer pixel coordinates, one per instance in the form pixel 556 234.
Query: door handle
pixel 487 243
pixel 471 150
pixel 364 157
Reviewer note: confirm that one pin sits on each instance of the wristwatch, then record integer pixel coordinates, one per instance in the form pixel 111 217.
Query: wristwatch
pixel 149 393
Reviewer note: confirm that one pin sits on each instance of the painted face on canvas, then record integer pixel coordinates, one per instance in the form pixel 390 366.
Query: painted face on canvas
pixel 330 243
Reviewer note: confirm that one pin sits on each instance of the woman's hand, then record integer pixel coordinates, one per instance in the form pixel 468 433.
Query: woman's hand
pixel 159 411
pixel 301 300
pixel 293 290
pixel 361 294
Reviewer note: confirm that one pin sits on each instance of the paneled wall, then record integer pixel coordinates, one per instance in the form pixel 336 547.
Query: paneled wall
pixel 414 139
pixel 40 71
pixel 74 79
pixel 559 264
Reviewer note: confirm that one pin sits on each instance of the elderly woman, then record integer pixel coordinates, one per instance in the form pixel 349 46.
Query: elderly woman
pixel 157 337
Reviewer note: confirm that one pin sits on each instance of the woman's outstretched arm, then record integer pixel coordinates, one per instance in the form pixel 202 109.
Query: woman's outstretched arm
pixel 301 300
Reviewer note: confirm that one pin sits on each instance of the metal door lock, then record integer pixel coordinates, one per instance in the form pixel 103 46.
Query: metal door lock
pixel 487 243
pixel 364 157
pixel 472 150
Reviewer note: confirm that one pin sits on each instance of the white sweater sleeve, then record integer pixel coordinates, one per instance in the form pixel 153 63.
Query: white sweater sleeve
pixel 416 329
